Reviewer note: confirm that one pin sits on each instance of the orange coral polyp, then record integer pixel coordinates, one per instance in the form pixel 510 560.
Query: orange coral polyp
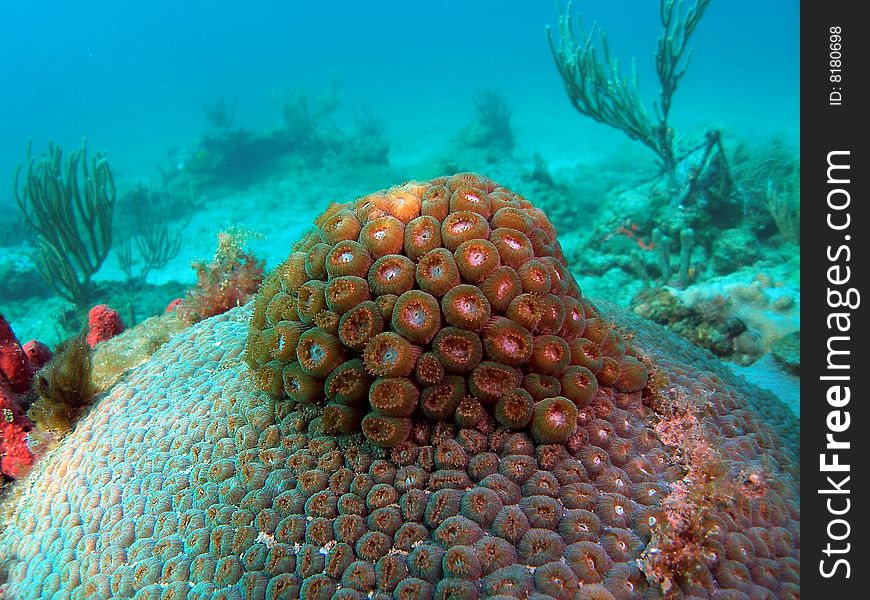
pixel 471 199
pixel 403 203
pixel 462 226
pixel 429 370
pixel 466 307
pixel 392 274
pixel 514 247
pixel 458 350
pixel 579 385
pixel 550 355
pixel 343 225
pixel 553 420
pixel 282 307
pixel 552 315
pixel 388 354
pixel 510 217
pixel 575 319
pixel 359 325
pixel 439 402
pixel 507 342
pixel 476 260
pixel 541 386
pixel 394 396
pixel 287 334
pixel 348 258
pixel 315 260
pixel 633 375
pixel 514 409
pixel 501 287
pixel 436 202
pixel 385 432
pixel 301 386
pixel 311 299
pixel 535 277
pixel 343 293
pixel 382 236
pixel 348 383
pixel 586 353
pixel 417 316
pixel 341 419
pixel 292 272
pixel 422 235
pixel 437 272
pixel 319 353
pixel 489 381
pixel 561 281
pixel 328 321
pixel 525 309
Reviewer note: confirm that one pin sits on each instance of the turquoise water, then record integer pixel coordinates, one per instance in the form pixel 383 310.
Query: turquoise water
pixel 133 77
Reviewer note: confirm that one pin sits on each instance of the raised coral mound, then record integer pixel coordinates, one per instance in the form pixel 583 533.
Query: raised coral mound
pixel 188 481
pixel 440 302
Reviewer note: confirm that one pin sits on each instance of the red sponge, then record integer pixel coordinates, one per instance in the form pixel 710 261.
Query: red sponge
pixel 103 324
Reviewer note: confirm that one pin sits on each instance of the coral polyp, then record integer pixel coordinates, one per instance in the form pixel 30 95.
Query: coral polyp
pixel 389 354
pixel 359 325
pixel 554 420
pixel 382 236
pixel 348 258
pixel 458 350
pixel 394 396
pixel 463 226
pixel 437 272
pixel 422 235
pixel 507 342
pixel 476 260
pixel 466 307
pixel 417 316
pixel 514 247
pixel 391 274
pixel 319 353
pixel 501 287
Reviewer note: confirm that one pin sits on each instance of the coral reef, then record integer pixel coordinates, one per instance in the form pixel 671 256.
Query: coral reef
pixel 708 325
pixel 787 351
pixel 731 317
pixel 188 479
pixel 19 274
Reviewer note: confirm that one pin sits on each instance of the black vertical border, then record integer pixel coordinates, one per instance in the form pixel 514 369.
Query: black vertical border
pixel 826 128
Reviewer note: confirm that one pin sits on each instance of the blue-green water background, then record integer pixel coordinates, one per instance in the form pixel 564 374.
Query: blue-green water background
pixel 133 77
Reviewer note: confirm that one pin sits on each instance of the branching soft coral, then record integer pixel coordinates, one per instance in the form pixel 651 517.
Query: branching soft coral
pixel 227 281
